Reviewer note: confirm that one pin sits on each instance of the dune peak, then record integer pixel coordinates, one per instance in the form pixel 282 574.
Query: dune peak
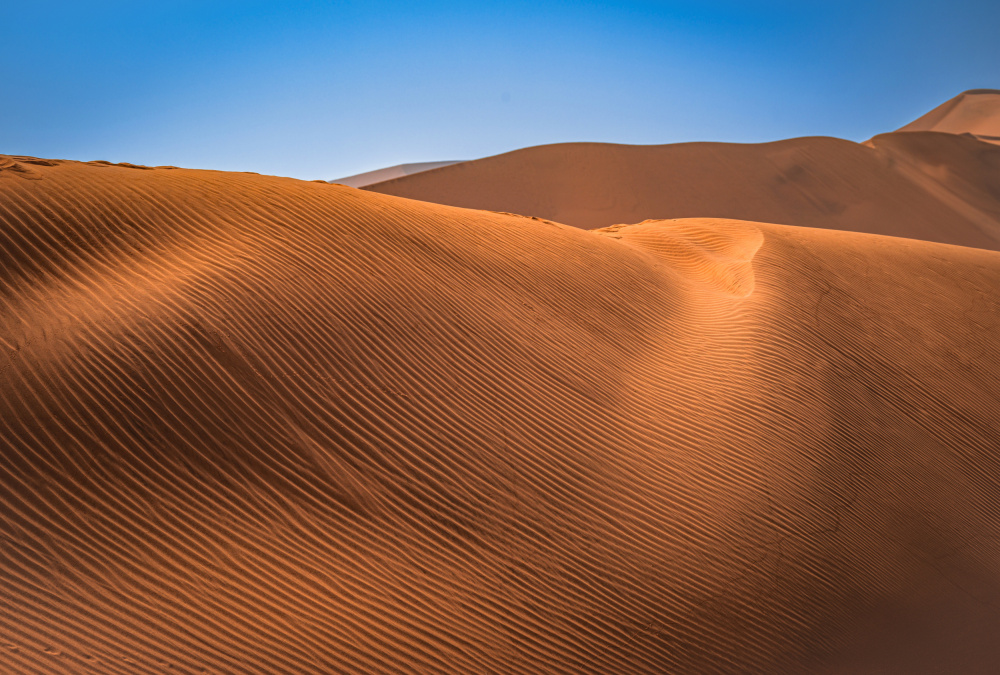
pixel 974 111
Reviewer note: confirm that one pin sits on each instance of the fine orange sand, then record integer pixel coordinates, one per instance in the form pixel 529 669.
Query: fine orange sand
pixel 259 425
pixel 901 184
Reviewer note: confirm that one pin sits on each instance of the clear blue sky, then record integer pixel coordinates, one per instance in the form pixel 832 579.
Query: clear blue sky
pixel 327 89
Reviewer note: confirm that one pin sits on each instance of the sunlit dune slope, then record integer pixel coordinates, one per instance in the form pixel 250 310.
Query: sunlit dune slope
pixel 257 425
pixel 811 182
pixel 388 173
pixel 975 112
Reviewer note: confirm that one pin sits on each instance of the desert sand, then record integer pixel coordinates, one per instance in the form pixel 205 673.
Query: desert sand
pixel 260 425
pixel 930 185
pixel 975 112
pixel 390 173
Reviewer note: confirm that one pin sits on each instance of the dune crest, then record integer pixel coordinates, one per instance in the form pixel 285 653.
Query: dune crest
pixel 258 425
pixel 391 172
pixel 975 112
pixel 810 182
pixel 22 166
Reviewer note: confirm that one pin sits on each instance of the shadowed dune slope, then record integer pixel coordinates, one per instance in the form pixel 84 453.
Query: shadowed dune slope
pixel 975 112
pixel 811 182
pixel 258 425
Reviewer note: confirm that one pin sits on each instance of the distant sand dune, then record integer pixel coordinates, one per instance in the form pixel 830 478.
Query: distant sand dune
pixel 259 425
pixel 812 182
pixel 389 173
pixel 975 112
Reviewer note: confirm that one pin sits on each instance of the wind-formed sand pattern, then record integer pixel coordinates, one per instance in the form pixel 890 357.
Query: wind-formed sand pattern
pixel 260 425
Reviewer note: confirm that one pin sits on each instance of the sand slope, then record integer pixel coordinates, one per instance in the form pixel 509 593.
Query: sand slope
pixel 259 425
pixel 813 182
pixel 975 112
pixel 389 173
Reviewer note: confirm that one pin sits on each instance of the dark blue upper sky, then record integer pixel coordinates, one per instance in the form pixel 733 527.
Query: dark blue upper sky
pixel 326 89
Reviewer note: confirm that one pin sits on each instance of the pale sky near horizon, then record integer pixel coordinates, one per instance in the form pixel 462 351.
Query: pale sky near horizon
pixel 327 89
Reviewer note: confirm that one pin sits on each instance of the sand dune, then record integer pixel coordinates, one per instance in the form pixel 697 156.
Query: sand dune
pixel 389 173
pixel 891 186
pixel 975 112
pixel 258 425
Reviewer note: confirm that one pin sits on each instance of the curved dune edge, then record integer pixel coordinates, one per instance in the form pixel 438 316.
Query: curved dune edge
pixel 390 173
pixel 915 184
pixel 975 112
pixel 258 425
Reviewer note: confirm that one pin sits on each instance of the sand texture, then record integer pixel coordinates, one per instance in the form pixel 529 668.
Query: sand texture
pixel 259 425
pixel 897 184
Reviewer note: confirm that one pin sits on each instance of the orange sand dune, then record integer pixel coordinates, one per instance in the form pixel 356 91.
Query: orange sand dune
pixel 881 188
pixel 388 173
pixel 975 112
pixel 258 425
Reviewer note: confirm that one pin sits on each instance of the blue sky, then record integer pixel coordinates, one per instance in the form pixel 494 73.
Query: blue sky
pixel 327 89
